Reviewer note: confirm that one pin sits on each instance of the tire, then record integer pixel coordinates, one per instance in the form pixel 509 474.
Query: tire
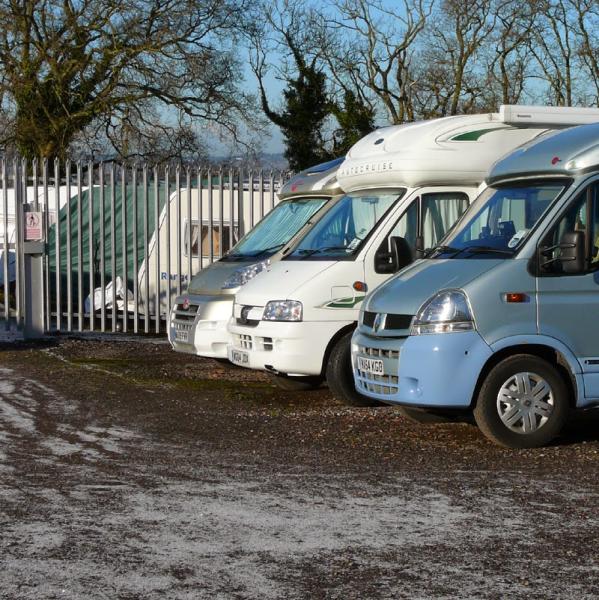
pixel 297 384
pixel 508 412
pixel 425 417
pixel 340 378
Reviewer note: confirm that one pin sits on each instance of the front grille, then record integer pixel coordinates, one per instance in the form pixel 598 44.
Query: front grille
pixel 378 352
pixel 391 321
pixel 267 344
pixel 244 342
pixel 183 326
pixel 378 384
pixel 386 385
pixel 368 318
pixel 185 314
pixel 396 321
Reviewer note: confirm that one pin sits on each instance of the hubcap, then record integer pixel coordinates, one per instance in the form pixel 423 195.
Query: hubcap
pixel 525 402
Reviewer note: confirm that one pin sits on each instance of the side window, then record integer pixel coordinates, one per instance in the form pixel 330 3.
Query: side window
pixel 581 216
pixel 439 214
pixel 406 227
pixel 207 233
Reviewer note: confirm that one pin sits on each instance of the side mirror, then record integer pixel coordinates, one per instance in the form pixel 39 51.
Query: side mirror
pixel 401 251
pixel 399 257
pixel 572 255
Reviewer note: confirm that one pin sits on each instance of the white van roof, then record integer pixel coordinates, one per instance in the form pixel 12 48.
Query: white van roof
pixel 450 150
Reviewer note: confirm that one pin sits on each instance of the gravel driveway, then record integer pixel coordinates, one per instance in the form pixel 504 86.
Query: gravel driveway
pixel 129 471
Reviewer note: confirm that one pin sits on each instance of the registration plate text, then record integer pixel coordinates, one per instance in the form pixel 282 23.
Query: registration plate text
pixel 182 335
pixel 371 365
pixel 239 357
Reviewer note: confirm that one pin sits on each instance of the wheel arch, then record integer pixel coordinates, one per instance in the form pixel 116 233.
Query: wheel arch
pixel 338 335
pixel 561 358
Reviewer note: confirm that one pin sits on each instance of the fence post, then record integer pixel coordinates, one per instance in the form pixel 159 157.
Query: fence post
pixel 30 249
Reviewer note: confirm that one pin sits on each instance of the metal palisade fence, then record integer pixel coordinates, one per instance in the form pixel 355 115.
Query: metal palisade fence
pixel 115 243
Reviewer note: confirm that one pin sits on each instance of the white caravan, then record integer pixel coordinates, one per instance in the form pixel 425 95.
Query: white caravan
pixel 195 228
pixel 198 319
pixel 406 186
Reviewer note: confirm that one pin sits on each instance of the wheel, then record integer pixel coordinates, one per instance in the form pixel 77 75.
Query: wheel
pixel 423 416
pixel 297 384
pixel 340 377
pixel 523 402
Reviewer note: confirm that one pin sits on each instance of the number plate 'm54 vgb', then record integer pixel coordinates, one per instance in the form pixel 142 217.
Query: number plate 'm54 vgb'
pixel 371 365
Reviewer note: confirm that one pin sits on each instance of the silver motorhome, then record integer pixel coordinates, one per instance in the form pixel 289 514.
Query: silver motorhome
pixel 501 319
pixel 198 320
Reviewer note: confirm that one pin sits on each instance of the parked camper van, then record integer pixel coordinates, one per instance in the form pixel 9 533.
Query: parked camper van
pixel 501 318
pixel 406 186
pixel 199 317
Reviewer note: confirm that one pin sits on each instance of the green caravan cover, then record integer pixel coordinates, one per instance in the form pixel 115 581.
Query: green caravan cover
pixel 70 213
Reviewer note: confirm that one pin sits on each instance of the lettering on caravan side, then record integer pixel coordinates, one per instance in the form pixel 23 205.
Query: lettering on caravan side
pixel 366 167
pixel 164 276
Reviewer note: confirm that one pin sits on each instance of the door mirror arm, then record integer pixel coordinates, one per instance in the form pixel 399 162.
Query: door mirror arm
pixel 572 257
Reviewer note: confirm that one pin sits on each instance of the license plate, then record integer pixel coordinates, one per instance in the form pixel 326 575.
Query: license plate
pixel 239 357
pixel 370 365
pixel 182 335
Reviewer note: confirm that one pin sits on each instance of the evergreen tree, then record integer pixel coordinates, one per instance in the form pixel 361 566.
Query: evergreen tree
pixel 355 119
pixel 302 119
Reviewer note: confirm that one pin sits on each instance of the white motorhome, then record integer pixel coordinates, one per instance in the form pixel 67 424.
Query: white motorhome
pixel 405 187
pixel 199 317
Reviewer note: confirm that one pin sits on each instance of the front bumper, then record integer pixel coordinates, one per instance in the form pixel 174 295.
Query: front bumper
pixel 201 329
pixel 283 347
pixel 429 371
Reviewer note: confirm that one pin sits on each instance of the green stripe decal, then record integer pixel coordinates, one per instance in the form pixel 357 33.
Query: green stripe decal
pixel 344 302
pixel 473 136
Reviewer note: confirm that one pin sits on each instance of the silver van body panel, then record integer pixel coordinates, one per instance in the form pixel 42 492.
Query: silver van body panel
pixel 548 156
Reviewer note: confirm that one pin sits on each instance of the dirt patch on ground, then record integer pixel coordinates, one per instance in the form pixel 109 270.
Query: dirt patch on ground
pixel 130 471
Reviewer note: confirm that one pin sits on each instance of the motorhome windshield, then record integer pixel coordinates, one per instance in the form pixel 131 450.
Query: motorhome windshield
pixel 275 229
pixel 341 232
pixel 499 221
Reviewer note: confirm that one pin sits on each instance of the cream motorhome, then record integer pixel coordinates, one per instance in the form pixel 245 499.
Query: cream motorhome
pixel 405 187
pixel 199 317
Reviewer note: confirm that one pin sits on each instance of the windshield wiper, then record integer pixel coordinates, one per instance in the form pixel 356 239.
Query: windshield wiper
pixel 487 250
pixel 468 249
pixel 271 249
pixel 253 254
pixel 442 249
pixel 307 253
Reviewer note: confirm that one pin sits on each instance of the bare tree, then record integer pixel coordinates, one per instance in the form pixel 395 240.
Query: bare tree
pixel 370 50
pixel 284 29
pixel 554 49
pixel 585 22
pixel 509 48
pixel 450 79
pixel 71 64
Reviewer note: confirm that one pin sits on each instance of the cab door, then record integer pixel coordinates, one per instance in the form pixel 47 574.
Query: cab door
pixel 568 303
pixel 422 224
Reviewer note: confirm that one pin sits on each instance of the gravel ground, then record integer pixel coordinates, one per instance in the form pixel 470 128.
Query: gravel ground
pixel 129 471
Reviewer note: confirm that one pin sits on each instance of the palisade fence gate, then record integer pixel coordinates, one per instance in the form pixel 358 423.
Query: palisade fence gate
pixel 118 242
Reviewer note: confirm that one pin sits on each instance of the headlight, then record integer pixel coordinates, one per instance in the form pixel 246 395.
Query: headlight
pixel 283 310
pixel 445 312
pixel 243 275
